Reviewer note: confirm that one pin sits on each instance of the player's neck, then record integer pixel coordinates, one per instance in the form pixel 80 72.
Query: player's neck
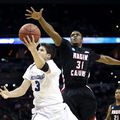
pixel 80 45
pixel 117 102
pixel 77 45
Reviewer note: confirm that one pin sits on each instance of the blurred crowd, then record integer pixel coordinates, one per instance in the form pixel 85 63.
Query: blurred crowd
pixel 90 20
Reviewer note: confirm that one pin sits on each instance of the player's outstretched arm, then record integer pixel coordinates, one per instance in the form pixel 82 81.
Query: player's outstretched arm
pixel 4 93
pixel 108 60
pixel 20 91
pixel 32 14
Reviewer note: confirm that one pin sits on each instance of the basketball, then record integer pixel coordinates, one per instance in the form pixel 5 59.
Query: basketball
pixel 29 29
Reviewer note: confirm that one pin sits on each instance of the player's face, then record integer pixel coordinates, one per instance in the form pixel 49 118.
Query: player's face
pixel 76 38
pixel 117 94
pixel 42 52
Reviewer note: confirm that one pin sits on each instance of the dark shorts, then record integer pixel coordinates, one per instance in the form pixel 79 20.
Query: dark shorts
pixel 81 101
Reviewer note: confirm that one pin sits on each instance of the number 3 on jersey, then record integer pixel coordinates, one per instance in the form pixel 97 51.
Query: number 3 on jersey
pixel 37 86
pixel 80 65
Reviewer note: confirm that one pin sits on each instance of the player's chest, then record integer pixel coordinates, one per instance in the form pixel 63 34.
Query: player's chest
pixel 37 74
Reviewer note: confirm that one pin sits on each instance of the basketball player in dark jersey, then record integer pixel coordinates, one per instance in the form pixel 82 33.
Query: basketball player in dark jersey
pixel 76 62
pixel 114 109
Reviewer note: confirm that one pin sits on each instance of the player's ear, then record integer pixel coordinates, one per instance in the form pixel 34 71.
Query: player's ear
pixel 48 56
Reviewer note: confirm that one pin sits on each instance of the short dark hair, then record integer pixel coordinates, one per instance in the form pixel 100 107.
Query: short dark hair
pixel 49 48
pixel 79 32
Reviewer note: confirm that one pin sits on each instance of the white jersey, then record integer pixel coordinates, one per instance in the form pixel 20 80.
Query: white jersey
pixel 45 86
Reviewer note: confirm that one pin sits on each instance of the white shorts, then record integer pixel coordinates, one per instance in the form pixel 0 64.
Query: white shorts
pixel 53 112
pixel 68 113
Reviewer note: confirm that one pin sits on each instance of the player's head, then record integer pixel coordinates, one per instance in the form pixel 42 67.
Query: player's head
pixel 76 38
pixel 47 51
pixel 117 93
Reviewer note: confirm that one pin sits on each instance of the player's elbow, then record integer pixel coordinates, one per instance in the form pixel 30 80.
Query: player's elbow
pixel 56 38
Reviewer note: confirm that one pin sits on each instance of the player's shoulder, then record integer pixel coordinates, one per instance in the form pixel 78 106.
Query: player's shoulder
pixel 113 105
pixel 86 49
pixel 52 65
pixel 50 61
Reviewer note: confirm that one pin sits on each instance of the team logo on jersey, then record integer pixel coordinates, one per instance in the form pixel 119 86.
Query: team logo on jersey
pixel 40 77
pixel 87 52
pixel 73 49
pixel 112 107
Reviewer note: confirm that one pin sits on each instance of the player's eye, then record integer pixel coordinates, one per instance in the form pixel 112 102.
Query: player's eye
pixel 72 35
pixel 77 34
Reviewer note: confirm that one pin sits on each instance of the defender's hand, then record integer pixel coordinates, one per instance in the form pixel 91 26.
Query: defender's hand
pixel 32 14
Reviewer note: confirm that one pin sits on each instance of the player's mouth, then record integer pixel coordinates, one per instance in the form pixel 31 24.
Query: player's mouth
pixel 74 38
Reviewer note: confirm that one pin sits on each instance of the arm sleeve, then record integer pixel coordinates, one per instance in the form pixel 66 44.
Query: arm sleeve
pixel 45 68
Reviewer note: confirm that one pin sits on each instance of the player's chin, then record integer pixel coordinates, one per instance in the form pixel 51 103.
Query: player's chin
pixel 75 41
pixel 75 44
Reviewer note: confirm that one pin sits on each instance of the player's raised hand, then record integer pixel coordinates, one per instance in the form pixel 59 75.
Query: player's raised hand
pixel 32 14
pixel 30 42
pixel 4 93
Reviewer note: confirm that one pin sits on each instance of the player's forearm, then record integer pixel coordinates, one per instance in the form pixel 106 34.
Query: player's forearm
pixel 50 31
pixel 46 26
pixel 39 61
pixel 108 60
pixel 112 61
pixel 18 92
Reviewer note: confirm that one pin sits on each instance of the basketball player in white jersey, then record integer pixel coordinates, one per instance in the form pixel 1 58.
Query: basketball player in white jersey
pixel 43 75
